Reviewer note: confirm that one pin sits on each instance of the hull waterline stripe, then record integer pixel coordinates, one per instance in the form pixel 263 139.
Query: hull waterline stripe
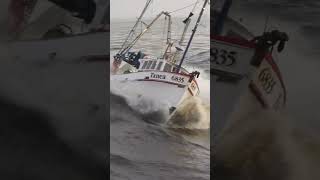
pixel 186 75
pixel 257 94
pixel 274 66
pixel 161 81
pixel 190 92
pixel 167 83
pixel 235 41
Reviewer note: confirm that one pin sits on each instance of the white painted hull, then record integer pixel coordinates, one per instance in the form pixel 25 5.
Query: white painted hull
pixel 265 83
pixel 67 48
pixel 164 91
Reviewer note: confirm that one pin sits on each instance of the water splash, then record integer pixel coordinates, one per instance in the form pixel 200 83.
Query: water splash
pixel 260 144
pixel 193 113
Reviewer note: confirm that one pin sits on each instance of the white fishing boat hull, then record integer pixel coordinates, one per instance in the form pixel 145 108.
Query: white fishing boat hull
pixel 165 88
pixel 86 45
pixel 234 77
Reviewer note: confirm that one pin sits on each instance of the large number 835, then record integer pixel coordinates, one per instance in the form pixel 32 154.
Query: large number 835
pixel 222 57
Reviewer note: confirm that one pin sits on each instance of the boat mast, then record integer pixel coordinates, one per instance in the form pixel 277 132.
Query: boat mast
pixel 169 28
pixel 192 35
pixel 169 43
pixel 218 25
pixel 122 50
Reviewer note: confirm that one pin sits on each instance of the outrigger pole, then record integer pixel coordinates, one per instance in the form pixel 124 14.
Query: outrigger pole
pixel 192 35
pixel 135 26
pixel 125 50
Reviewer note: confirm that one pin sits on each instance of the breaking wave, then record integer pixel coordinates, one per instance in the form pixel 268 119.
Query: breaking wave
pixel 261 144
pixel 193 113
pixel 141 143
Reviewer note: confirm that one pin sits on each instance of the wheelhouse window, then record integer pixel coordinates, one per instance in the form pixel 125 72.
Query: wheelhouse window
pixel 149 64
pixel 144 64
pixel 154 63
pixel 159 65
pixel 167 68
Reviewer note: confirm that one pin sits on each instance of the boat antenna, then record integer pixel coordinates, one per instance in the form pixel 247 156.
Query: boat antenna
pixel 187 23
pixel 192 35
pixel 134 27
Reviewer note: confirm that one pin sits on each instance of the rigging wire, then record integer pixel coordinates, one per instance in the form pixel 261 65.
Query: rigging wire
pixel 194 7
pixel 195 4
pixel 134 27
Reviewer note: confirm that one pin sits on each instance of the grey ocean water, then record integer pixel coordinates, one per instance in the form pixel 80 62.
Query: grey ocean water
pixel 283 145
pixel 141 146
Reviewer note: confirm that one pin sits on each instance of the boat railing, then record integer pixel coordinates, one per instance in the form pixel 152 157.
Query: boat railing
pixel 158 64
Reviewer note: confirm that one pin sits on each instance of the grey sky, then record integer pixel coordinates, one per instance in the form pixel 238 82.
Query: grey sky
pixel 124 9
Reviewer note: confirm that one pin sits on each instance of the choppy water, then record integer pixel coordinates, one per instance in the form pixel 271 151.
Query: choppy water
pixel 260 144
pixel 142 146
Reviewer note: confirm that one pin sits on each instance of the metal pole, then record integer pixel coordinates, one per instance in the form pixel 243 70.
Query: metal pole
pixel 184 32
pixel 124 51
pixel 169 28
pixel 221 16
pixel 193 32
pixel 135 26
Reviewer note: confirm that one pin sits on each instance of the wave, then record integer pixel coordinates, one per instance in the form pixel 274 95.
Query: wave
pixel 191 114
pixel 261 144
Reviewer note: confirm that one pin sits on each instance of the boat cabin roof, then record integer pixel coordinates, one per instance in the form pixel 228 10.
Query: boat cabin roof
pixel 159 65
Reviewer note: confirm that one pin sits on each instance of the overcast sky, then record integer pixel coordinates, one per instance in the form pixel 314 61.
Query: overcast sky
pixel 125 9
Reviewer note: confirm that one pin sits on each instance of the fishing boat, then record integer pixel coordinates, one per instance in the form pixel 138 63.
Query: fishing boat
pixel 242 62
pixel 69 30
pixel 160 79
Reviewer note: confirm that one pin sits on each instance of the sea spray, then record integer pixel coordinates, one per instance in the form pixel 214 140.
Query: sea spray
pixel 258 144
pixel 193 113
